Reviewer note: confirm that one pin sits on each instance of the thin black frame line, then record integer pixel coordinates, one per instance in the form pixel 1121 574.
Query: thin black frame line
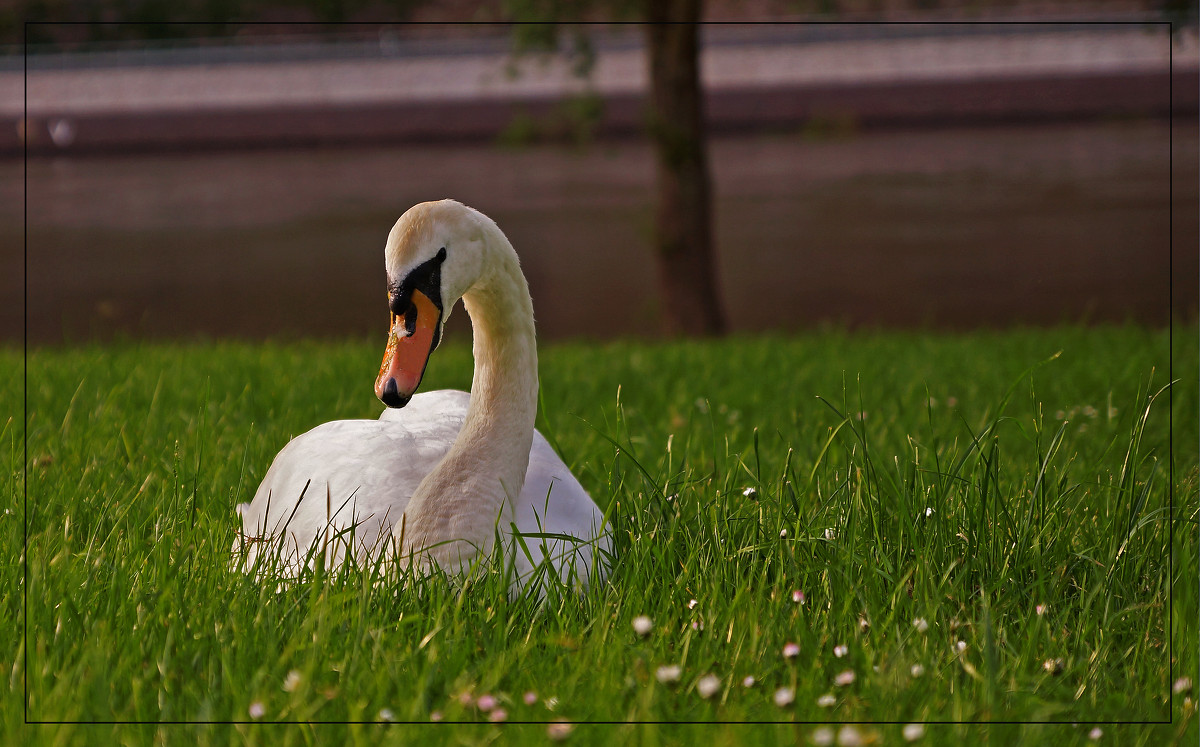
pixel 765 22
pixel 438 724
pixel 1171 375
pixel 1170 27
pixel 25 368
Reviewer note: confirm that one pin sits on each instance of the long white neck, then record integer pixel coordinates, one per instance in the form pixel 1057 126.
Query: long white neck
pixel 458 504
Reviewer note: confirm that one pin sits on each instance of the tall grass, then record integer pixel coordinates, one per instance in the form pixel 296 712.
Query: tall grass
pixel 990 511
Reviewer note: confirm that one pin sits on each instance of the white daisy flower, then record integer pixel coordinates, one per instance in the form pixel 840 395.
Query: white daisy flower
pixel 559 730
pixel 642 625
pixel 668 673
pixel 708 685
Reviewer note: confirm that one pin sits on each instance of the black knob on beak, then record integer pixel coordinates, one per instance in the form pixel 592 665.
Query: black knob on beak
pixel 391 395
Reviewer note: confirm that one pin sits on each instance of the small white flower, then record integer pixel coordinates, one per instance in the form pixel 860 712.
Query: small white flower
pixel 830 534
pixel 784 696
pixel 385 714
pixel 257 709
pixel 291 681
pixel 844 678
pixel 916 670
pixel 798 596
pixel 1095 734
pixel 863 624
pixel 782 532
pixel 840 651
pixel 559 730
pixel 530 698
pixel 848 736
pixel 791 650
pixel 1183 684
pixel 826 701
pixel 697 625
pixel 1041 609
pixel 692 604
pixel 1053 666
pixel 708 685
pixel 486 702
pixel 497 715
pixel 668 673
pixel 913 732
pixel 435 716
pixel 750 493
pixel 748 681
pixel 642 625
pixel 921 624
pixel 822 736
pixel 960 647
pixel 929 511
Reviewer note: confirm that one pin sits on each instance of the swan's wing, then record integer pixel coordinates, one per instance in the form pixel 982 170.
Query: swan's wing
pixel 343 477
pixel 445 406
pixel 552 502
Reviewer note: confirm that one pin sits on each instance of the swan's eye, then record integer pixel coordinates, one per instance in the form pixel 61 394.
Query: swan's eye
pixel 410 319
pixel 425 278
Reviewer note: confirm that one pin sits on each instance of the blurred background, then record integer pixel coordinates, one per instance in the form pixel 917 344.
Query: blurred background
pixel 962 164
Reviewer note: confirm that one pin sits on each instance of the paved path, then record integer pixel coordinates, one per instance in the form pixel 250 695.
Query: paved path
pixel 390 79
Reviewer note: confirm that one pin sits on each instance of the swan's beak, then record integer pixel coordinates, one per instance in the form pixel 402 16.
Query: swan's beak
pixel 412 338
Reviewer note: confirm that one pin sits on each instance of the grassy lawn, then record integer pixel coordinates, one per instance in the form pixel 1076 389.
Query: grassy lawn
pixel 978 529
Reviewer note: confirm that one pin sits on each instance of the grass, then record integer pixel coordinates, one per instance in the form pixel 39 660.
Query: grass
pixel 965 480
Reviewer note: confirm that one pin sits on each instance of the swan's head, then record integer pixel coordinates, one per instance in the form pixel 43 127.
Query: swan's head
pixel 434 255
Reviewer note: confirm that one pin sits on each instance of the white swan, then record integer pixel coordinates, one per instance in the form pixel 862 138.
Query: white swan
pixel 434 481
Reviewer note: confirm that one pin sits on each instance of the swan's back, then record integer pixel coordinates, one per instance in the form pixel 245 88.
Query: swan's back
pixel 552 501
pixel 360 475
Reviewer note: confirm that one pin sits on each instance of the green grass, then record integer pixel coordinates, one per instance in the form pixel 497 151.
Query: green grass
pixel 962 479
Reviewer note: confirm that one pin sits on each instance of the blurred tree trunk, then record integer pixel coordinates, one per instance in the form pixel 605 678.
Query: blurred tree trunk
pixel 682 218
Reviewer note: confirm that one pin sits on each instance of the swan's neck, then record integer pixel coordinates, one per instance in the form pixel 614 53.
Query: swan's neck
pixel 465 494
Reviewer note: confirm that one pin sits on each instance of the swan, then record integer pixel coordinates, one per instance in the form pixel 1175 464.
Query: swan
pixel 440 474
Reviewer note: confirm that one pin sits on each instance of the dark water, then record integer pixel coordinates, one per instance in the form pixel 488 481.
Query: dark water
pixel 947 228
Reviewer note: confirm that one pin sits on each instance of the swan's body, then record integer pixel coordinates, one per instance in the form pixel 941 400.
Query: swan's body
pixel 436 481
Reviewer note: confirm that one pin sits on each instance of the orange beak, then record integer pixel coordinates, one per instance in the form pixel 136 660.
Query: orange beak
pixel 410 342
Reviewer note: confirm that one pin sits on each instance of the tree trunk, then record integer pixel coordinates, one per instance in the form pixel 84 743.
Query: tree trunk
pixel 682 217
